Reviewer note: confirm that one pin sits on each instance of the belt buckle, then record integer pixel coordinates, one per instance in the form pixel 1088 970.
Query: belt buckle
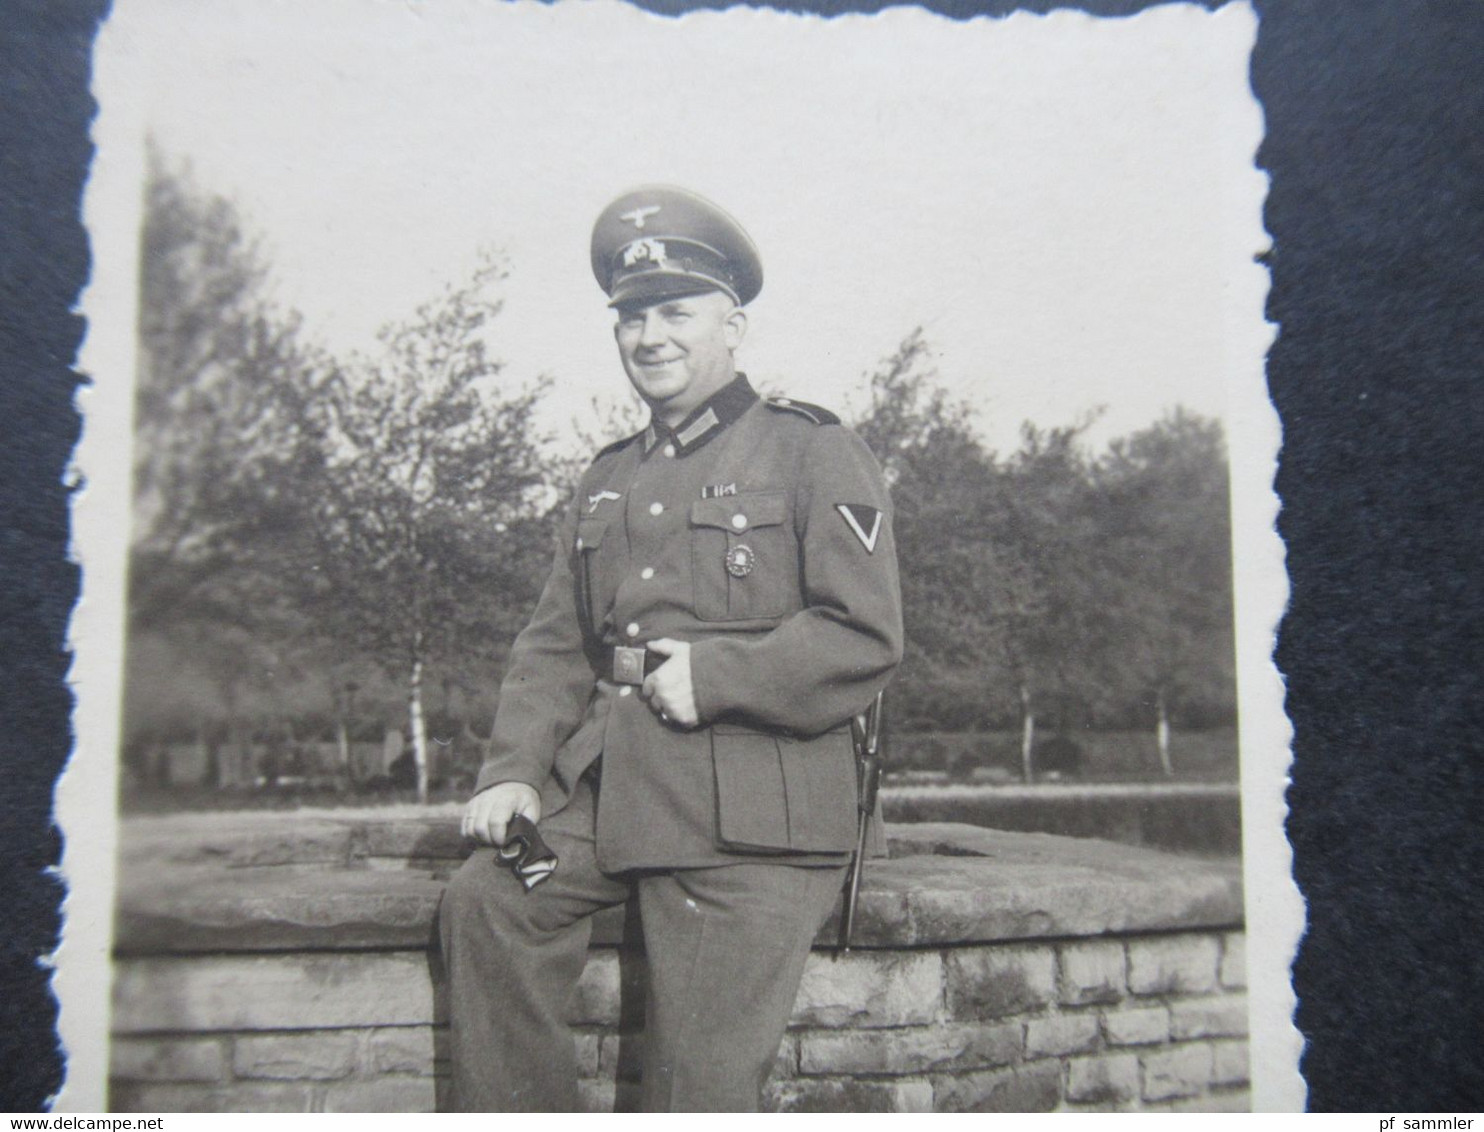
pixel 628 665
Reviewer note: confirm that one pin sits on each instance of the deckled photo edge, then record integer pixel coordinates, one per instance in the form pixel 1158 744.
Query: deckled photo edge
pixel 86 807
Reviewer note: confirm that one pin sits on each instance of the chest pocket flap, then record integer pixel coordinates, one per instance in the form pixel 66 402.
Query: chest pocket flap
pixel 740 513
pixel 744 558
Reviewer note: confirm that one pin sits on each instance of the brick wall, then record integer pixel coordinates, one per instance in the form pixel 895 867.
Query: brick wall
pixel 1151 1022
pixel 965 997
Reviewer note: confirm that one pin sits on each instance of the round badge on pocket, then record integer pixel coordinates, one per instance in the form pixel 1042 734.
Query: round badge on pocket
pixel 739 561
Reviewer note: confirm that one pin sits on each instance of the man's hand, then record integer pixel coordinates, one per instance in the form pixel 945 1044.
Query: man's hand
pixel 668 688
pixel 488 813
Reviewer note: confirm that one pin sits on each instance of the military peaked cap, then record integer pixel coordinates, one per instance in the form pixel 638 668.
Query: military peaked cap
pixel 660 242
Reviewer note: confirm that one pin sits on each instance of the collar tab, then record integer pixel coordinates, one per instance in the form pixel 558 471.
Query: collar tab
pixel 709 419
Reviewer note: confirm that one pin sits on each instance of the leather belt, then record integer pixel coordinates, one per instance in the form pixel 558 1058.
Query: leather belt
pixel 629 664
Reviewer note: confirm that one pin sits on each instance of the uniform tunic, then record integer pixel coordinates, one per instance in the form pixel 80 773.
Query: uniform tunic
pixel 759 532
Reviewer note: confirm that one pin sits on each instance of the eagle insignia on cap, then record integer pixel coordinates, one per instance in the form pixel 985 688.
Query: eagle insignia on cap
pixel 644 251
pixel 639 215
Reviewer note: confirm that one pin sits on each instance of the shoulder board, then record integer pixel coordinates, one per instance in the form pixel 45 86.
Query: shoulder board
pixel 802 408
pixel 617 445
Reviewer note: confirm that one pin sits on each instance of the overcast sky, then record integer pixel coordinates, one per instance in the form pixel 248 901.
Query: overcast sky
pixel 1050 198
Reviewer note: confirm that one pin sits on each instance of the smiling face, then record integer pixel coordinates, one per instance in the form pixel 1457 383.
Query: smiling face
pixel 678 351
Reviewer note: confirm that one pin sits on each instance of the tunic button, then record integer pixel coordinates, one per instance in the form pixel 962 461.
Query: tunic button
pixel 626 689
pixel 647 573
pixel 632 629
pixel 739 521
pixel 656 508
pixel 669 450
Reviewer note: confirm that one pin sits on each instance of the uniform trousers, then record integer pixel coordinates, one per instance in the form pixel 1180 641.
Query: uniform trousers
pixel 726 948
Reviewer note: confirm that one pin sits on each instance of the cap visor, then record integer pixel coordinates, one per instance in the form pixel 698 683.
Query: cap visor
pixel 652 288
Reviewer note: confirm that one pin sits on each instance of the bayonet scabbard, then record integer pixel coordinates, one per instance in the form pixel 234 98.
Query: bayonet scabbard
pixel 866 733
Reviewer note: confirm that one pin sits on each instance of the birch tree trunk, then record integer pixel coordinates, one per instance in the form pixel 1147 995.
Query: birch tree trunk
pixel 415 720
pixel 1162 733
pixel 342 750
pixel 1027 734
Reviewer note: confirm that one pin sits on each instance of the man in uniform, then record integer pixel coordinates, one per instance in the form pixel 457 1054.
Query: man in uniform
pixel 723 600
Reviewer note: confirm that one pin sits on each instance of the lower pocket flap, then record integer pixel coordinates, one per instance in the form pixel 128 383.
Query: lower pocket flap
pixel 820 780
pixel 751 799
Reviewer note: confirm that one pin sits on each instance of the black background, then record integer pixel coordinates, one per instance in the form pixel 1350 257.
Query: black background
pixel 1374 116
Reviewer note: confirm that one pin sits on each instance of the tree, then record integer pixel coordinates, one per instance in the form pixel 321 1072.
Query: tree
pixel 425 494
pixel 1000 567
pixel 906 406
pixel 221 376
pixel 1051 615
pixel 1164 493
pixel 298 516
pixel 945 491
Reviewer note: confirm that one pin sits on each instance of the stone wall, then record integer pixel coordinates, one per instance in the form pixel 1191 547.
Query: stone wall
pixel 1181 817
pixel 278 962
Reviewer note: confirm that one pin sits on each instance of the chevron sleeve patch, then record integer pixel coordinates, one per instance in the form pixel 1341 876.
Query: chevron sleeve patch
pixel 864 522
